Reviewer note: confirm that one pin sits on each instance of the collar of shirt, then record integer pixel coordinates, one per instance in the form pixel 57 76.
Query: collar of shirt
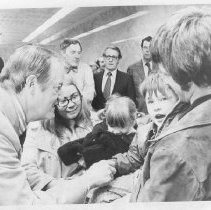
pixel 113 79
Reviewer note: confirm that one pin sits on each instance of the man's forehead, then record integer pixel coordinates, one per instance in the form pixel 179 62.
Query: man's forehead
pixel 74 47
pixel 111 52
pixel 146 43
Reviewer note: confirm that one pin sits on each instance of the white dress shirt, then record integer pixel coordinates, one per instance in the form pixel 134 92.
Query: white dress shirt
pixel 113 79
pixel 83 77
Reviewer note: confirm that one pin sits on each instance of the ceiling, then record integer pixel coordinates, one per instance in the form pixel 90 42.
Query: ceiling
pixel 17 24
pixel 90 24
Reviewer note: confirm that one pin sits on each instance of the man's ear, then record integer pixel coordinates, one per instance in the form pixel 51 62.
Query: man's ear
pixel 31 81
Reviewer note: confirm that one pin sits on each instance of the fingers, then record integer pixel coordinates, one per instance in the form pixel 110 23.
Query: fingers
pixel 112 169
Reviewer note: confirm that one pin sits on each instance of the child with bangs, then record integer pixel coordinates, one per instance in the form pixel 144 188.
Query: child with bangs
pixel 160 100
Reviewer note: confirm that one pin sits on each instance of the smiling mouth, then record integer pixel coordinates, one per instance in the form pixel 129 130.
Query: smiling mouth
pixel 159 116
pixel 72 110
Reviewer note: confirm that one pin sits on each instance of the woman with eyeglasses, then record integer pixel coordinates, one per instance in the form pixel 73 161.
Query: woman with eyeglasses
pixel 72 121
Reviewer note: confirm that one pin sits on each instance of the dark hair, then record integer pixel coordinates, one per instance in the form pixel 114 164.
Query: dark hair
pixel 1 64
pixel 113 48
pixel 67 42
pixel 25 61
pixel 98 63
pixel 148 39
pixel 183 46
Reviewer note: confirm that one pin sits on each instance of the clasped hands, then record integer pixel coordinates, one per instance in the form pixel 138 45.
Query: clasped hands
pixel 100 173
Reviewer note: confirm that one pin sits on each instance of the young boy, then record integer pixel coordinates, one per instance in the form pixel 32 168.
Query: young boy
pixel 108 138
pixel 160 100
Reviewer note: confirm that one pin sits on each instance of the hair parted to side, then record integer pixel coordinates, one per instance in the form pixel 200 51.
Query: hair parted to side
pixel 113 48
pixel 59 125
pixel 183 46
pixel 120 112
pixel 25 61
pixel 148 39
pixel 67 42
pixel 155 83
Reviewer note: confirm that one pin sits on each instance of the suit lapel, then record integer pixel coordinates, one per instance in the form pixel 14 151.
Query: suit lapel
pixel 117 82
pixel 140 71
pixel 99 79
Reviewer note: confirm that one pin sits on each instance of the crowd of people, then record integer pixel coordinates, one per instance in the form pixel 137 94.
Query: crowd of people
pixel 74 133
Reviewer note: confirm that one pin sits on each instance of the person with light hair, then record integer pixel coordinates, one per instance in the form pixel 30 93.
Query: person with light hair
pixel 82 74
pixel 177 164
pixel 108 138
pixel 30 85
pixel 72 121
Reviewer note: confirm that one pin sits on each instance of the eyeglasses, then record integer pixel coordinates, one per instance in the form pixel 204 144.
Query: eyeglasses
pixel 111 57
pixel 75 98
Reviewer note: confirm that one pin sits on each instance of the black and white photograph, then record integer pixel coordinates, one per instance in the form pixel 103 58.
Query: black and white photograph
pixel 105 105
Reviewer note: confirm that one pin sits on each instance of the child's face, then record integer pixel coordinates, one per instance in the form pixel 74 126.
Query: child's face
pixel 159 106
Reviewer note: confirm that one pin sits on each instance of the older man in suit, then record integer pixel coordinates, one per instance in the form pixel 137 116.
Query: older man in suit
pixel 111 80
pixel 141 70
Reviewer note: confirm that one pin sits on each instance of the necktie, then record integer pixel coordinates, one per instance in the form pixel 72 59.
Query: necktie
pixel 107 88
pixel 71 68
pixel 149 68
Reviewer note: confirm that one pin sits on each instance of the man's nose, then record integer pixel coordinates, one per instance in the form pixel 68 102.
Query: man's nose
pixel 77 55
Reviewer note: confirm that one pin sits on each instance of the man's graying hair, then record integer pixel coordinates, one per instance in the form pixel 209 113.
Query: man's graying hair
pixel 25 61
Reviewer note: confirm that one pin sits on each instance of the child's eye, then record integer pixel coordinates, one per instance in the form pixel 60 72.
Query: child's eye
pixel 150 101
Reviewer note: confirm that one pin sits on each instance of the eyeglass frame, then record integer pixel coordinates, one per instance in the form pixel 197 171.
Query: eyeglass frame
pixel 67 100
pixel 111 56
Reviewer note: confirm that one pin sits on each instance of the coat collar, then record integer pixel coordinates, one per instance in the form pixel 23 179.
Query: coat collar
pixel 197 116
pixel 12 109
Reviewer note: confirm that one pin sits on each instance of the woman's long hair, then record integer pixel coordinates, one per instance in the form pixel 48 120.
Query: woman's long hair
pixel 60 125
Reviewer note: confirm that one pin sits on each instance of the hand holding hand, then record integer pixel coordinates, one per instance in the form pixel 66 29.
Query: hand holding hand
pixel 100 173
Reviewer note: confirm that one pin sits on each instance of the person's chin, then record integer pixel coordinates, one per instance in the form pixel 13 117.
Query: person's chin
pixel 72 114
pixel 159 122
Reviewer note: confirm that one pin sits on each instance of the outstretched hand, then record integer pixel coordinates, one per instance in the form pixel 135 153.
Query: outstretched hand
pixel 100 173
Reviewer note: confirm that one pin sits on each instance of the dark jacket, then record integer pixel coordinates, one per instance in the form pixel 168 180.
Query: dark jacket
pixel 136 70
pixel 177 165
pixel 123 86
pixel 98 145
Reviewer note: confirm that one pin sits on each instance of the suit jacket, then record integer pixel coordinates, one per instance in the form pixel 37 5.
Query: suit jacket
pixel 123 86
pixel 15 189
pixel 136 70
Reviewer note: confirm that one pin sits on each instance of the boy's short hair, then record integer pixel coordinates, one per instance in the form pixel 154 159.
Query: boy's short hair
pixel 183 46
pixel 120 112
pixel 155 83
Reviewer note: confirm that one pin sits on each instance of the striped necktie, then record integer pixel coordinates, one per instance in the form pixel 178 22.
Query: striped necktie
pixel 107 88
pixel 149 68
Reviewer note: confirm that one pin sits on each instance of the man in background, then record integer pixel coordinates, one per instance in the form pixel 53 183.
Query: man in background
pixel 140 70
pixel 80 72
pixel 111 80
